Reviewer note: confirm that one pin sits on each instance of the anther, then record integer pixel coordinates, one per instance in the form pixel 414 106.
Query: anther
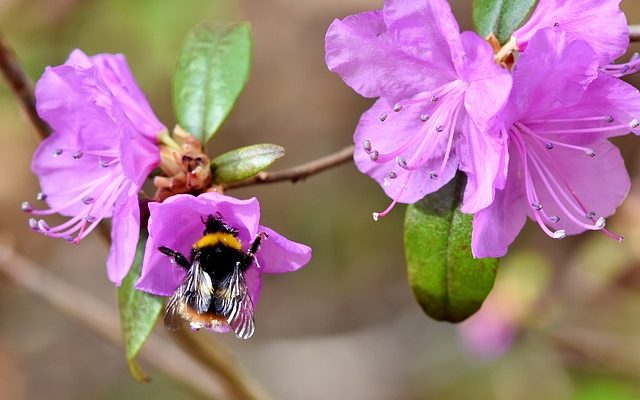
pixel 556 24
pixel 620 239
pixel 57 152
pixel 87 200
pixel 69 239
pixel 366 145
pixel 434 99
pixel 549 146
pixel 397 107
pixel 77 155
pixel 554 218
pixel 383 117
pixel 104 164
pixel 591 215
pixel 433 175
pixel 376 216
pixel 635 124
pixel 559 234
pixel 374 155
pixel 537 206
pixel 392 175
pixel 26 206
pixel 42 225
pixel 33 224
pixel 424 117
pixel 590 153
pixel 401 162
pixel 90 218
pixel 41 196
pixel 601 222
pixel 610 119
pixel 440 128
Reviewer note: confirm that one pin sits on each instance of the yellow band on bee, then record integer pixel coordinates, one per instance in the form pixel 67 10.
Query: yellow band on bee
pixel 213 239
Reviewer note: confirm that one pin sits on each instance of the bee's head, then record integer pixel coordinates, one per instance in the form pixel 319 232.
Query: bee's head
pixel 216 224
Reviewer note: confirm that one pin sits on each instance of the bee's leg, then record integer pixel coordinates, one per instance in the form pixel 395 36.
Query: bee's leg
pixel 249 255
pixel 176 257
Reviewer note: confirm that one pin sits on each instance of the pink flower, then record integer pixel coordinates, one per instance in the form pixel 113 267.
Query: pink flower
pixel 438 90
pixel 102 149
pixel 563 172
pixel 177 224
pixel 600 23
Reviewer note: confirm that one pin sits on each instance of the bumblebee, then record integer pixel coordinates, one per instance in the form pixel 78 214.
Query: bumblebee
pixel 214 290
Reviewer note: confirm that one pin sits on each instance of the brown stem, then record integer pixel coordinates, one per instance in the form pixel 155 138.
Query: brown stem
pixel 297 173
pixel 21 86
pixel 104 321
pixel 634 33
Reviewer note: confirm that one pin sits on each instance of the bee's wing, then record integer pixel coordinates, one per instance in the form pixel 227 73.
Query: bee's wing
pixel 173 320
pixel 236 305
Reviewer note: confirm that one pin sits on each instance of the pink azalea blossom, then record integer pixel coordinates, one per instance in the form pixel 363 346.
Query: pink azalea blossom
pixel 102 148
pixel 177 224
pixel 563 172
pixel 438 89
pixel 600 23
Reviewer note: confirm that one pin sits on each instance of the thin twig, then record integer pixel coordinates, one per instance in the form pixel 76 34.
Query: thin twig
pixel 21 86
pixel 218 359
pixel 634 33
pixel 104 321
pixel 297 173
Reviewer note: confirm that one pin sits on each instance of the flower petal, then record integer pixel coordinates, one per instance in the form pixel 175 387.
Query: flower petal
pixel 125 234
pixel 364 54
pixel 387 136
pixel 117 76
pixel 278 254
pixel 177 224
pixel 496 227
pixel 600 23
pixel 601 182
pixel 553 73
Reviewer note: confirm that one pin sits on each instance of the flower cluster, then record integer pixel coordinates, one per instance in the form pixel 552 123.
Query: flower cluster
pixel 532 138
pixel 105 143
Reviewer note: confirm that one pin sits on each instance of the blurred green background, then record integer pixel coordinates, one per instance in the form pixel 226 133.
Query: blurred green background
pixel 562 322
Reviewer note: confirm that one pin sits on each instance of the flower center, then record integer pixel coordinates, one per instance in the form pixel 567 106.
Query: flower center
pixel 541 172
pixel 95 197
pixel 437 114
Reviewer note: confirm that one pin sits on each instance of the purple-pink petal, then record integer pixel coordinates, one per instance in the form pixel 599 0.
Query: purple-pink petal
pixel 125 232
pixel 278 254
pixel 600 23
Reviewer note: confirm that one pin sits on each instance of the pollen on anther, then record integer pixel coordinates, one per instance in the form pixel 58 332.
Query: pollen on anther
pixel 591 215
pixel 33 224
pixel 90 218
pixel 366 145
pixel 600 223
pixel 374 155
pixel 590 153
pixel 43 226
pixel 77 155
pixel 537 206
pixel 392 175
pixel 610 119
pixel 434 99
pixel 88 200
pixel 401 162
pixel 383 117
pixel 26 206
pixel 559 234
pixel 41 196
pixel 397 107
pixel 376 216
pixel 549 146
pixel 433 175
pixel 635 124
pixel 57 152
pixel 424 117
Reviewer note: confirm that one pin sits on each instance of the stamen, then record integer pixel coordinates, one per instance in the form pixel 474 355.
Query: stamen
pixel 435 99
pixel 601 222
pixel 537 206
pixel 383 117
pixel 57 152
pixel 397 107
pixel 392 175
pixel 433 175
pixel 559 234
pixel 555 219
pixel 88 200
pixel 367 145
pixel 41 196
pixel 424 117
pixel 90 218
pixel 591 215
pixel 374 155
pixel 33 224
pixel 26 206
pixel 401 162
pixel 634 124
pixel 77 155
pixel 549 146
pixel 440 128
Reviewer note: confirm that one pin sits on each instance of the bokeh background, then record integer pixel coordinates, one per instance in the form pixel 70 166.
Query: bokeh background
pixel 562 323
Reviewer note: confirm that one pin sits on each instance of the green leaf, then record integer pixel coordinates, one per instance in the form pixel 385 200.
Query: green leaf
pixel 139 312
pixel 244 162
pixel 213 68
pixel 447 281
pixel 500 17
